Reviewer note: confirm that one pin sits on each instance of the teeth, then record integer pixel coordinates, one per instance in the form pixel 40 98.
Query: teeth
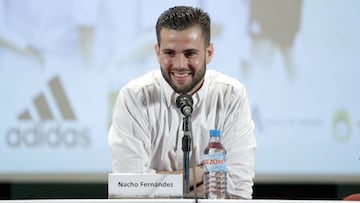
pixel 181 74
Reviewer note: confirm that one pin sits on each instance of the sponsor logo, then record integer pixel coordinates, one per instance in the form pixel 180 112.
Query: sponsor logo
pixel 341 126
pixel 214 161
pixel 45 130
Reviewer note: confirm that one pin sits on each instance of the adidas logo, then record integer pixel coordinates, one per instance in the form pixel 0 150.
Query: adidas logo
pixel 42 105
pixel 42 130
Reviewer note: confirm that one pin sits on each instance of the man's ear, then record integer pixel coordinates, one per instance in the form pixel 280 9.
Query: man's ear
pixel 209 53
pixel 157 51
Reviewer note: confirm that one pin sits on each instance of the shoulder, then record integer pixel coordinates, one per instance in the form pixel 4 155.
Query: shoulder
pixel 149 83
pixel 149 80
pixel 218 81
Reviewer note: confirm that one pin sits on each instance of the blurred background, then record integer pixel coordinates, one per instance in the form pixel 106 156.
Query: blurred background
pixel 62 64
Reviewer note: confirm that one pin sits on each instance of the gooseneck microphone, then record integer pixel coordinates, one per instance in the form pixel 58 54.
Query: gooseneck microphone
pixel 185 103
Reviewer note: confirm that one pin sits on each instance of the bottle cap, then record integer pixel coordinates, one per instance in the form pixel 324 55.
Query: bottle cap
pixel 215 133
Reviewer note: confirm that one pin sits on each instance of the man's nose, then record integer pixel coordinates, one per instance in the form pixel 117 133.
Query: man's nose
pixel 180 61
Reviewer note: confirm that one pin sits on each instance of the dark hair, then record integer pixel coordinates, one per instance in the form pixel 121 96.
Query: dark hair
pixel 183 17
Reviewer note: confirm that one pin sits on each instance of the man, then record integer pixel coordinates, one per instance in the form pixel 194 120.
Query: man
pixel 146 131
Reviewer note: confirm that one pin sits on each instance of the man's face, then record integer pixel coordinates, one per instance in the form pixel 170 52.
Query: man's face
pixel 183 57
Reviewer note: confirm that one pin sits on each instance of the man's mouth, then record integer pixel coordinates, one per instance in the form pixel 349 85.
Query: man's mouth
pixel 181 75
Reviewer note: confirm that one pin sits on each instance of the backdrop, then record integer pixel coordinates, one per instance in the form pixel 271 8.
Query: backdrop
pixel 62 64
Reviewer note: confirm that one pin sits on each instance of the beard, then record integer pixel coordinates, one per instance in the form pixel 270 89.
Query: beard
pixel 197 78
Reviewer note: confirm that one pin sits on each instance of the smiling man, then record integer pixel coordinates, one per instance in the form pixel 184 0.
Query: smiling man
pixel 183 55
pixel 146 131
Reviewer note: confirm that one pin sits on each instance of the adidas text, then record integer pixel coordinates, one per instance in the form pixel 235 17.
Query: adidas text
pixel 53 136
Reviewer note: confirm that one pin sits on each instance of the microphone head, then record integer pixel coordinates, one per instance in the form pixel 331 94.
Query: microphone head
pixel 184 102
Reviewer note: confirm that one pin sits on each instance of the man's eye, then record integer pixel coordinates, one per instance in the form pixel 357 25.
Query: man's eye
pixel 190 54
pixel 168 53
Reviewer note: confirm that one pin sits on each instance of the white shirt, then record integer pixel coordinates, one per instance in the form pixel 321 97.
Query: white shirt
pixel 146 130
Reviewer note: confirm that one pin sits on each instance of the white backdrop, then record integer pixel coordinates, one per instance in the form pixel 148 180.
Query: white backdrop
pixel 63 62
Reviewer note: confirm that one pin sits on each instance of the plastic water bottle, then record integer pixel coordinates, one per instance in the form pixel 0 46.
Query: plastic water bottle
pixel 214 164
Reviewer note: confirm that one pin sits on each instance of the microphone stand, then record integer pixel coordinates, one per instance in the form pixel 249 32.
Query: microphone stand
pixel 184 102
pixel 186 147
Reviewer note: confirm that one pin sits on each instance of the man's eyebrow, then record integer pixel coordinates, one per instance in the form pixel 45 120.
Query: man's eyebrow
pixel 186 50
pixel 193 50
pixel 167 49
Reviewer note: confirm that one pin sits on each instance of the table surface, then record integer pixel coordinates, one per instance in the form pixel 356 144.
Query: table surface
pixel 168 200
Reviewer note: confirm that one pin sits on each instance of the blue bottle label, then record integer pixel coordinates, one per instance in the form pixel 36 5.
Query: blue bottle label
pixel 214 163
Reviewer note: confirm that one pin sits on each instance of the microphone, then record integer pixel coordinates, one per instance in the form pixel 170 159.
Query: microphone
pixel 185 103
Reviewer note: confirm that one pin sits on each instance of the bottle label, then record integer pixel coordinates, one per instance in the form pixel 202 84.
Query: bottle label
pixel 214 163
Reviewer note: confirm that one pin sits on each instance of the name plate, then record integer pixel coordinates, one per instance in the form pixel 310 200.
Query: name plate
pixel 121 185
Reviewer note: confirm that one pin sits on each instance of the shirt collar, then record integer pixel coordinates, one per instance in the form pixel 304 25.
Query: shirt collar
pixel 170 94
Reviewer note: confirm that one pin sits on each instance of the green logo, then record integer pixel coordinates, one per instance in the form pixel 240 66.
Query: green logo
pixel 341 126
